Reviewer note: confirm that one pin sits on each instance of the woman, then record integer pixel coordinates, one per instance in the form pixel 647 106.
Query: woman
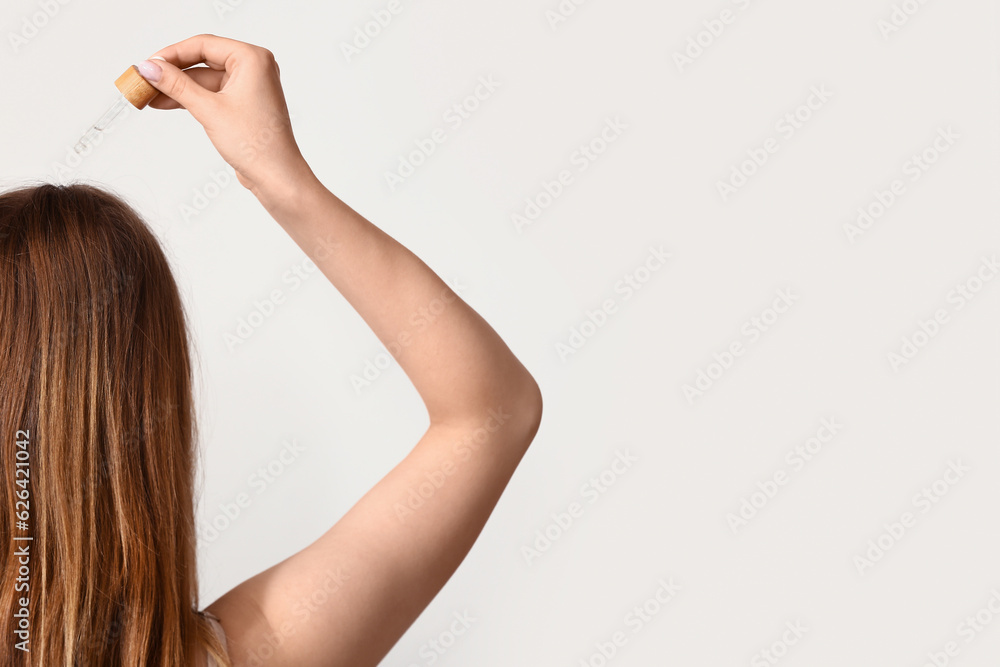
pixel 95 404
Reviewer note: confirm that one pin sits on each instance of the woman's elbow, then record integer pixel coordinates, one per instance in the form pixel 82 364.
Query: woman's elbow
pixel 529 408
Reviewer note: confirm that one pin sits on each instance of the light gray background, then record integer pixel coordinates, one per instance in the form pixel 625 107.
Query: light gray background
pixel 665 516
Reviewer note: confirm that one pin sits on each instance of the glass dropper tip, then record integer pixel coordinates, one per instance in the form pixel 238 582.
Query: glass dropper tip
pixel 116 112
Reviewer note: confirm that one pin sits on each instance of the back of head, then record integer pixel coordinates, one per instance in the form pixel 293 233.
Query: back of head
pixel 97 438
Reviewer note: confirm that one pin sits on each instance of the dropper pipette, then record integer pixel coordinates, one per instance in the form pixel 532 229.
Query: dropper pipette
pixel 136 93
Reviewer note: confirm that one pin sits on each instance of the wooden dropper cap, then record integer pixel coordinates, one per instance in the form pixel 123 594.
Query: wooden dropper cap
pixel 136 89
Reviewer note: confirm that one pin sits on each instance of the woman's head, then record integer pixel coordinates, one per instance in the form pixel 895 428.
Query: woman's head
pixel 94 366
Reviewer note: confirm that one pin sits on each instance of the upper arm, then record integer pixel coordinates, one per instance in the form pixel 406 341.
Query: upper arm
pixel 347 598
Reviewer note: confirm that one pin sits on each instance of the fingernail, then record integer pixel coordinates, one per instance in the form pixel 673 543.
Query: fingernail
pixel 150 71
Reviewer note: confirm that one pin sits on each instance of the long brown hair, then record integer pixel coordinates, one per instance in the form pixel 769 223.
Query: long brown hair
pixel 97 439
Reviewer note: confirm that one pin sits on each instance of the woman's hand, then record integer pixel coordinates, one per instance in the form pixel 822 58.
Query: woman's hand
pixel 239 101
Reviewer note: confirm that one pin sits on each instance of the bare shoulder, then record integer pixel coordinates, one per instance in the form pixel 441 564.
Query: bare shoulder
pixel 246 628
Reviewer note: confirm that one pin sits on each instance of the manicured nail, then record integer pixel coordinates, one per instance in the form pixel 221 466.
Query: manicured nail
pixel 150 71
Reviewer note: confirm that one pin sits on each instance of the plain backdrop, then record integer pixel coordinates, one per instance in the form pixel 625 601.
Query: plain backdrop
pixel 874 536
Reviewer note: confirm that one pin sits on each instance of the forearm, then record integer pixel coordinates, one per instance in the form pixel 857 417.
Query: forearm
pixel 458 364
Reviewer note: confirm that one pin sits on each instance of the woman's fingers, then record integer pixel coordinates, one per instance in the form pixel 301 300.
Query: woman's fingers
pixel 208 49
pixel 210 79
pixel 177 85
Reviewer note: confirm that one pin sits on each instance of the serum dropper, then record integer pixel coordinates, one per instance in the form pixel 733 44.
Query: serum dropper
pixel 135 92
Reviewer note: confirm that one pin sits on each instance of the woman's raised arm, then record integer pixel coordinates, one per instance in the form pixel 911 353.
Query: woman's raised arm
pixel 379 566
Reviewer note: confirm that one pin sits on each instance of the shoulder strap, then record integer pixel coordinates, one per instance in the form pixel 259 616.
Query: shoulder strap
pixel 219 632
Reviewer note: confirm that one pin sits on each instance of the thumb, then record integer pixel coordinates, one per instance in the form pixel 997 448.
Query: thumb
pixel 175 84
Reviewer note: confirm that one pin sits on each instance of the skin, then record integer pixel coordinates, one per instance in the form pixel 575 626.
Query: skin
pixel 387 567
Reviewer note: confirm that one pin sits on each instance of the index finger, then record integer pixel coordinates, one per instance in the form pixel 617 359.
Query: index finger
pixel 212 50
